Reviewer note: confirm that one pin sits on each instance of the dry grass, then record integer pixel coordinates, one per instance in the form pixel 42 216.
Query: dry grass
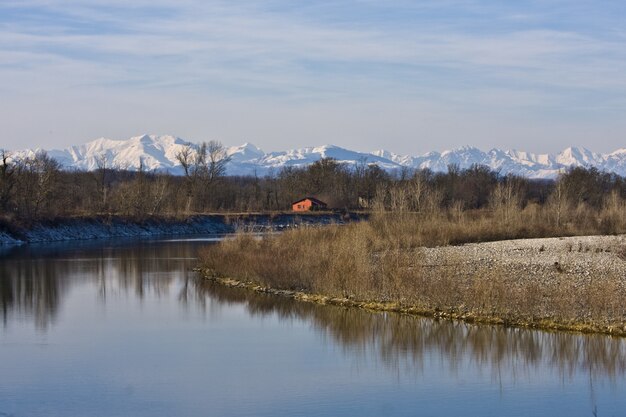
pixel 382 261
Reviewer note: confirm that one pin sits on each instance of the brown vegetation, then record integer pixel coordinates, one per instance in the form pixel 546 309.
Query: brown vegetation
pixel 379 260
pixel 382 261
pixel 36 187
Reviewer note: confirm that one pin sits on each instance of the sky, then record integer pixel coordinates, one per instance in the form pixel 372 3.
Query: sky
pixel 407 76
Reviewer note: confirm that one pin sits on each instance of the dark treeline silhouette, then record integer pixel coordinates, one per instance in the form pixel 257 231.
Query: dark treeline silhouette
pixel 37 187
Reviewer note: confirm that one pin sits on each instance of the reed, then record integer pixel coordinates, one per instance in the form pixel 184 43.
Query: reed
pixel 382 260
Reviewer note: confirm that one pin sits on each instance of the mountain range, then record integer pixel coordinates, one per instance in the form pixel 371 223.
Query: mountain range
pixel 158 153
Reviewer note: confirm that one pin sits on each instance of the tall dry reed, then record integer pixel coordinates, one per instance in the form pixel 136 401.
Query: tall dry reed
pixel 383 260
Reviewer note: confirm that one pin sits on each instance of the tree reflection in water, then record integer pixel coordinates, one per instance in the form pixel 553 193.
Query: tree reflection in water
pixel 34 283
pixel 30 288
pixel 405 342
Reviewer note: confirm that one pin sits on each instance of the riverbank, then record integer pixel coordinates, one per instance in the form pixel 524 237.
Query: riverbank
pixel 572 283
pixel 105 227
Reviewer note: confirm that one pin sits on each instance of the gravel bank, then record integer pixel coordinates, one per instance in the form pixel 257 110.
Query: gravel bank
pixel 572 283
pixel 575 258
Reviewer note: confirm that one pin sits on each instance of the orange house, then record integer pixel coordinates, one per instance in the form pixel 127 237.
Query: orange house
pixel 308 204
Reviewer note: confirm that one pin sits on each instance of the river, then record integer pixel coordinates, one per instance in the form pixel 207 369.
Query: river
pixel 125 328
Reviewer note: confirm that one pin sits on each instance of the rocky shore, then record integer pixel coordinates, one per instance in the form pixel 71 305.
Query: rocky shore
pixel 576 259
pixel 103 227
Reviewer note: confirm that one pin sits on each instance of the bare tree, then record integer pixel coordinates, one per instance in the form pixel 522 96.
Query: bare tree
pixel 505 199
pixel 398 198
pixel 158 192
pixel 36 183
pixel 100 175
pixel 202 166
pixel 217 160
pixel 418 187
pixel 187 158
pixel 557 201
pixel 7 179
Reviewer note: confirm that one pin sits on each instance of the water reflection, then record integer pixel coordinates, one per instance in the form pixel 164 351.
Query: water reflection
pixel 34 280
pixel 34 283
pixel 406 343
pixel 30 288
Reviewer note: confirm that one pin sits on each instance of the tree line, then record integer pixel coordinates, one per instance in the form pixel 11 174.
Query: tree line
pixel 36 187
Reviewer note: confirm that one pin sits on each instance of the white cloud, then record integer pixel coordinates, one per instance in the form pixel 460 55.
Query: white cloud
pixel 268 54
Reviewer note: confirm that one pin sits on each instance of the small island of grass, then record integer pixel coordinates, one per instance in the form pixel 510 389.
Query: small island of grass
pixel 434 264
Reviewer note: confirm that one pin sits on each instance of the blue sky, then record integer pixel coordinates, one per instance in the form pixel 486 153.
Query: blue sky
pixel 409 76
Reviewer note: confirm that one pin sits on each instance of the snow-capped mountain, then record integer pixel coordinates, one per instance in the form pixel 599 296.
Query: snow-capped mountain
pixel 158 153
pixel 306 156
pixel 153 152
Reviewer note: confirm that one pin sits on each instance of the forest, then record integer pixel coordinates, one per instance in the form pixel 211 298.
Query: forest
pixel 37 187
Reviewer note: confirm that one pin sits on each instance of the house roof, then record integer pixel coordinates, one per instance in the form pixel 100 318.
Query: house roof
pixel 313 199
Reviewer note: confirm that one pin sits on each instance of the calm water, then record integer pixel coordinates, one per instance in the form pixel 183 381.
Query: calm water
pixel 125 329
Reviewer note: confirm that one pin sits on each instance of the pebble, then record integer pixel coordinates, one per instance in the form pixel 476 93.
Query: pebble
pixel 574 258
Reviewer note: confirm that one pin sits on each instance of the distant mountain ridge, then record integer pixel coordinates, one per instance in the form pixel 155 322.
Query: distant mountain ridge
pixel 158 153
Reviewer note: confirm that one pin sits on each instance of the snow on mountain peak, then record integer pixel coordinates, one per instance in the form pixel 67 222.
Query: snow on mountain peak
pixel 383 153
pixel 245 152
pixel 467 148
pixel 158 153
pixel 574 156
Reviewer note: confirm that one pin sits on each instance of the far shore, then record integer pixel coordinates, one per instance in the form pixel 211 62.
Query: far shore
pixel 111 226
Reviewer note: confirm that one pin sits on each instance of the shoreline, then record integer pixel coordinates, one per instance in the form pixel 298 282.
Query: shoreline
pixel 398 308
pixel 553 266
pixel 106 227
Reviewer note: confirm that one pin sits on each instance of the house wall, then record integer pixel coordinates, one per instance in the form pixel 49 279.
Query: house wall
pixel 304 205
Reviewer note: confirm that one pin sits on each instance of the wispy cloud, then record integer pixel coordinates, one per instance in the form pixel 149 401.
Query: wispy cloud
pixel 474 56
